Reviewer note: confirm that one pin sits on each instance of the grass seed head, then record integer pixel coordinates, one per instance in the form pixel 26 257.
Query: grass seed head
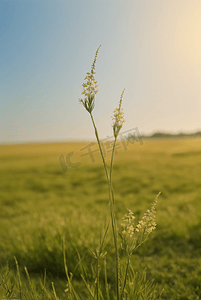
pixel 118 117
pixel 90 87
pixel 133 235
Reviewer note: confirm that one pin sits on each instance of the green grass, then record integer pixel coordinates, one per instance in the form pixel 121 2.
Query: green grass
pixel 39 204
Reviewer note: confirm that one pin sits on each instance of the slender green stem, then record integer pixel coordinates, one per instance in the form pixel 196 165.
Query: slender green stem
pixel 99 144
pixel 97 283
pixel 125 279
pixel 112 157
pixel 112 192
pixel 111 197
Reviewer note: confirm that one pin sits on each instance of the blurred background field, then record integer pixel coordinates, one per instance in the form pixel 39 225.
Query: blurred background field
pixel 40 204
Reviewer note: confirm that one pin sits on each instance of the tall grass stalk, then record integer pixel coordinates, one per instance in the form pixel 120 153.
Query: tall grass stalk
pixel 90 90
pixel 132 236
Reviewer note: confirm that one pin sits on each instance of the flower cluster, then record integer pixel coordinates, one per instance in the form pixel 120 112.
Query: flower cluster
pixel 133 235
pixel 90 87
pixel 118 118
pixel 128 231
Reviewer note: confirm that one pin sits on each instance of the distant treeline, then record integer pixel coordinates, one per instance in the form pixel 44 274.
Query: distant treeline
pixel 169 135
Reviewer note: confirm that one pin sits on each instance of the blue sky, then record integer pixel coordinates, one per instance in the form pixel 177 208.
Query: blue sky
pixel 152 48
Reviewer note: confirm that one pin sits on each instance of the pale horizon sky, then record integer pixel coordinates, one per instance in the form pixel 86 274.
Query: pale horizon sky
pixel 152 48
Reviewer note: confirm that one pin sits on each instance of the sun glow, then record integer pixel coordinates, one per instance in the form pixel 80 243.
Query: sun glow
pixel 187 35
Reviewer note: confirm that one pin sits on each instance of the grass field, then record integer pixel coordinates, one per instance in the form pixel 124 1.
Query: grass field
pixel 40 203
